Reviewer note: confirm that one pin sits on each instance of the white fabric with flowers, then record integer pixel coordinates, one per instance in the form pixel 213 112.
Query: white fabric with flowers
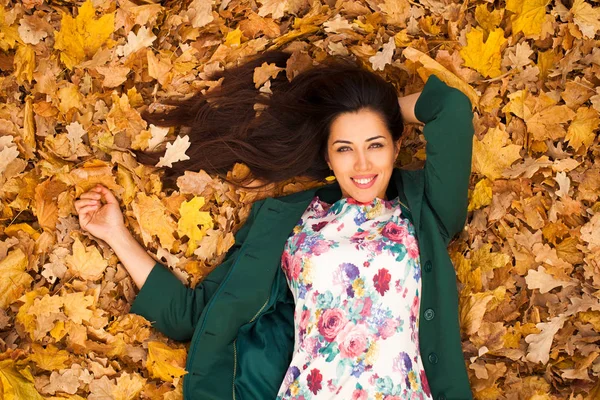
pixel 355 274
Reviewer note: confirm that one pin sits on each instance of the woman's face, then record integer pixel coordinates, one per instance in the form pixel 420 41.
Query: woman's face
pixel 361 147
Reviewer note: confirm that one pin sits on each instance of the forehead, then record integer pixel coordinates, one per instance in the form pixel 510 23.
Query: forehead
pixel 358 126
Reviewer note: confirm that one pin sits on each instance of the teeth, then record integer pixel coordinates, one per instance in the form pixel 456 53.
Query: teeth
pixel 363 181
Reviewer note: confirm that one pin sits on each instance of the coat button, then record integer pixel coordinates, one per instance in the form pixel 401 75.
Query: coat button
pixel 441 397
pixel 433 358
pixel 429 314
pixel 427 266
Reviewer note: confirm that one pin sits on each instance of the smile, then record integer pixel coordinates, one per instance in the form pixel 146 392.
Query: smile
pixel 364 183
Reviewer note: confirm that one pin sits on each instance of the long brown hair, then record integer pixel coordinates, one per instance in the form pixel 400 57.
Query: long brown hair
pixel 288 137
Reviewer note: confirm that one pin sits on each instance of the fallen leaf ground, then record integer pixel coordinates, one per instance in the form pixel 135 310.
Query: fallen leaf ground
pixel 74 77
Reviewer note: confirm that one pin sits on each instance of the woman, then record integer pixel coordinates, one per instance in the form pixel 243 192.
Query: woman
pixel 344 291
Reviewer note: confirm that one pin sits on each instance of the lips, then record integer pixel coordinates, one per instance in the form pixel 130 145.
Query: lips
pixel 367 185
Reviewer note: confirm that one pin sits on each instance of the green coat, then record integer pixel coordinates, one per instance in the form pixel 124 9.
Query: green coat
pixel 240 318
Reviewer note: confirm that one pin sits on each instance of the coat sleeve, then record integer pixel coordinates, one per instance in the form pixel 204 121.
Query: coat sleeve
pixel 448 130
pixel 173 308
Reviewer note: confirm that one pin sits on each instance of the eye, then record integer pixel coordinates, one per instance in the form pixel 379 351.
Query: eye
pixel 347 147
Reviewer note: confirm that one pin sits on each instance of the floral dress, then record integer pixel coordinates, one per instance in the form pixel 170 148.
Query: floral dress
pixel 355 275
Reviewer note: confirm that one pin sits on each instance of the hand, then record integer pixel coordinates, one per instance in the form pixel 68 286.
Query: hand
pixel 101 220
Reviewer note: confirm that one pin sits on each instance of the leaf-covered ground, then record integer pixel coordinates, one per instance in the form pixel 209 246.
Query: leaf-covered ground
pixel 74 77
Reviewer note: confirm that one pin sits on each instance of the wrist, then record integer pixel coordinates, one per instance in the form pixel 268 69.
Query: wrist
pixel 118 236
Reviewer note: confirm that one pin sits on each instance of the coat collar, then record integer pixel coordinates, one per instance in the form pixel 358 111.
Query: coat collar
pixel 407 184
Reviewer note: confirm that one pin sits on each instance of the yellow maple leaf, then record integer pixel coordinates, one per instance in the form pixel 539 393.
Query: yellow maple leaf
pixel 49 358
pixel 14 280
pixel 485 57
pixel 15 383
pixel 128 386
pixel 493 154
pixel 24 317
pixel 481 196
pixel 164 362
pixel 76 307
pixel 86 263
pixel 529 16
pixel 486 19
pixel 583 129
pixel 79 38
pixel 191 217
pixel 153 218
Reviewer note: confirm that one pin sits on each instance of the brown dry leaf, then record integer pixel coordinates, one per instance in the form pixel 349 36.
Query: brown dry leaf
pixel 544 282
pixel 264 72
pixel 540 343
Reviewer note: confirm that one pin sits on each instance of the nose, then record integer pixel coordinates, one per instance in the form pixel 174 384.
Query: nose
pixel 362 162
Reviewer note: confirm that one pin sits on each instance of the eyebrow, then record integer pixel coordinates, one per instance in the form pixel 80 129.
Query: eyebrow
pixel 368 140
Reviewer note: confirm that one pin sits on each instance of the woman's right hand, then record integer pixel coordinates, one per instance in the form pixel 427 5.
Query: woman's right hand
pixel 101 220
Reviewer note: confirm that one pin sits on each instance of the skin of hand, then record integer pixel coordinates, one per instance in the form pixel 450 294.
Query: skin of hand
pixel 100 219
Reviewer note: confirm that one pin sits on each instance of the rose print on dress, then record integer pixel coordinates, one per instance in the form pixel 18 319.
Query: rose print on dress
pixel 382 281
pixel 353 340
pixel 314 380
pixel 331 323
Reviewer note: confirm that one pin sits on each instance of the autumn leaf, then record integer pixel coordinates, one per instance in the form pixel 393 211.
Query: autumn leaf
pixel 153 219
pixel 164 362
pixel 24 64
pixel 493 154
pixel 191 217
pixel 175 152
pixel 488 20
pixel 78 77
pixel 50 358
pixel 586 17
pixel 584 128
pixel 485 57
pixel 543 281
pixel 86 263
pixel 15 280
pixel 528 16
pixel 17 384
pixel 441 72
pixel 481 195
pixel 384 56
pixel 79 38
pixel 543 117
pixel 540 343
pixel 264 72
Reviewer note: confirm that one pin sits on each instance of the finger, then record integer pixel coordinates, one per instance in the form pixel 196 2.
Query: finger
pixel 91 195
pixel 107 194
pixel 84 202
pixel 87 210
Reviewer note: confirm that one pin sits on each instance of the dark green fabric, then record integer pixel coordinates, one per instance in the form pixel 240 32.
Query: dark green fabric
pixel 240 318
